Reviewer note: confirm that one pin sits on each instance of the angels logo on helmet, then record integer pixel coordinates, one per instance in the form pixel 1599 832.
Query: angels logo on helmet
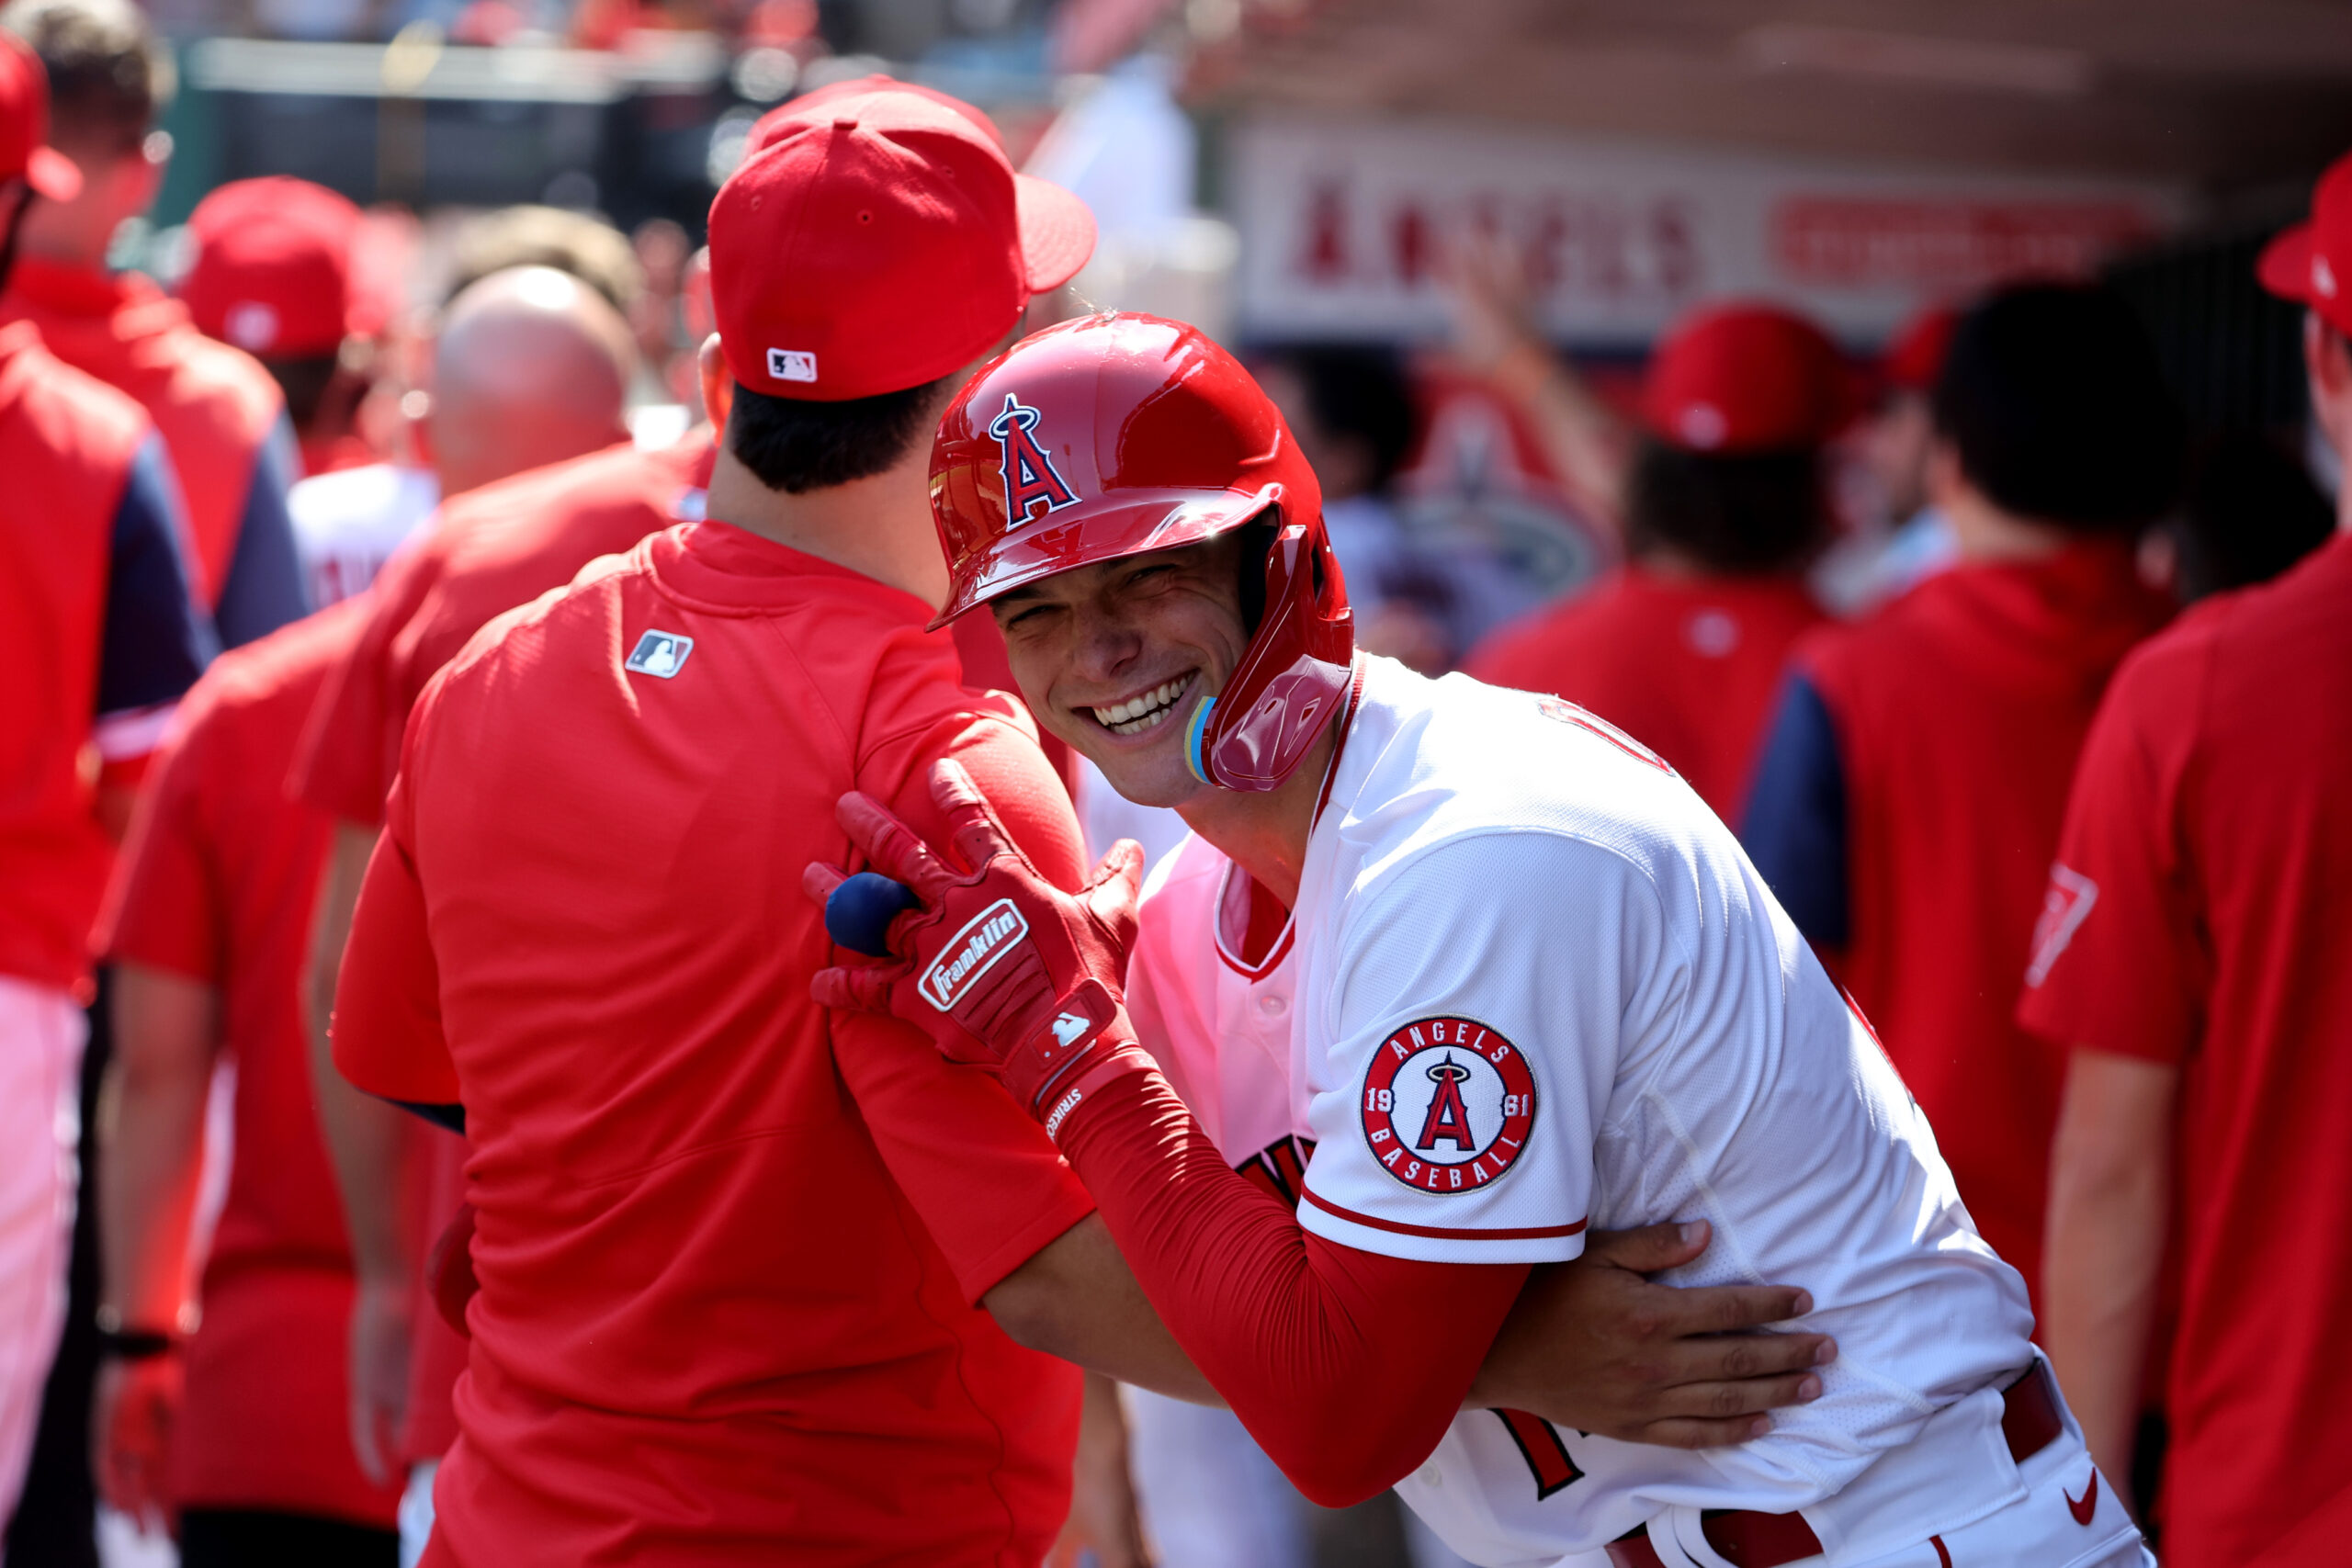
pixel 1029 474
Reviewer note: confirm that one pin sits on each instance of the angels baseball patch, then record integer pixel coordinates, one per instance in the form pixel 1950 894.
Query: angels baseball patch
pixel 1448 1105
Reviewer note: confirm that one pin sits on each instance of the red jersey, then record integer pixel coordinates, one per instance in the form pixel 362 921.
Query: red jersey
pixel 491 549
pixel 720 1320
pixel 217 410
pixel 2198 916
pixel 1686 665
pixel 216 883
pixel 94 594
pixel 1941 734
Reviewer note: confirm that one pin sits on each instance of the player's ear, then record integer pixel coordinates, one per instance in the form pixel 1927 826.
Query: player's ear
pixel 718 382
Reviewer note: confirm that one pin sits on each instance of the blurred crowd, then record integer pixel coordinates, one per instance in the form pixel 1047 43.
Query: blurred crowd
pixel 1868 607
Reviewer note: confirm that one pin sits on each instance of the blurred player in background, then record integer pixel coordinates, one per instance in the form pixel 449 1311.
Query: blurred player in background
pixel 1421 601
pixel 227 1418
pixel 2191 962
pixel 272 271
pixel 219 413
pixel 1902 536
pixel 1725 506
pixel 94 585
pixel 1908 800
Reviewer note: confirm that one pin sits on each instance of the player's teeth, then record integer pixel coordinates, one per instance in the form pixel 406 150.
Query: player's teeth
pixel 1121 717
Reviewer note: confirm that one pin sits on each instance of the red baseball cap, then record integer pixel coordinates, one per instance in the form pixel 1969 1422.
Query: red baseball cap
pixel 272 271
pixel 2310 261
pixel 24 126
pixel 1740 379
pixel 878 242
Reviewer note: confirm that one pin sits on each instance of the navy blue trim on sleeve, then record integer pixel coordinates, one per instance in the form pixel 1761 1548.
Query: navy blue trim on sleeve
pixel 263 590
pixel 1795 828
pixel 157 639
pixel 452 1117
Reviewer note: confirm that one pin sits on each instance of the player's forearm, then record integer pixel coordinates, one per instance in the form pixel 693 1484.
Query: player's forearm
pixel 364 1136
pixel 1324 1352
pixel 2110 1201
pixel 1587 444
pixel 1077 1299
pixel 151 1141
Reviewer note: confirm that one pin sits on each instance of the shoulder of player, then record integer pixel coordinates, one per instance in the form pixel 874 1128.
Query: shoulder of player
pixel 288 666
pixel 70 406
pixel 207 383
pixel 1518 865
pixel 1463 757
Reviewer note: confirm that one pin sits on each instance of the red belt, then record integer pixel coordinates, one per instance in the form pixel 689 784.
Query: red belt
pixel 2029 1420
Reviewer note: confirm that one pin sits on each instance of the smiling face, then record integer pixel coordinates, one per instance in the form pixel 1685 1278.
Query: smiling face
pixel 1115 658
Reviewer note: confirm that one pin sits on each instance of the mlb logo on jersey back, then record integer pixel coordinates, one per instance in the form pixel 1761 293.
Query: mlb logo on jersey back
pixel 1448 1105
pixel 659 653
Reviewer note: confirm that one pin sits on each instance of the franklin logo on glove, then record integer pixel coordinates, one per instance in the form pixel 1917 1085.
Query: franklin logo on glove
pixel 973 952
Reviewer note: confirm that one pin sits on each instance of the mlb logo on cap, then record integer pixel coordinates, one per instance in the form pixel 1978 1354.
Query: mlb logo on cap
pixel 660 653
pixel 791 365
pixel 252 326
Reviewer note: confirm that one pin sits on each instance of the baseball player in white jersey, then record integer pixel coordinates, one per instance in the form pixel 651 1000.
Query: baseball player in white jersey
pixel 1527 985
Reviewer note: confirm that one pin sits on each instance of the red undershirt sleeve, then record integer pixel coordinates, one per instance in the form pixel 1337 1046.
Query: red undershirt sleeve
pixel 1345 1366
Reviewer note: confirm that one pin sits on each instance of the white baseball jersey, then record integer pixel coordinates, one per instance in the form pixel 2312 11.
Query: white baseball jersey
pixel 1531 984
pixel 349 523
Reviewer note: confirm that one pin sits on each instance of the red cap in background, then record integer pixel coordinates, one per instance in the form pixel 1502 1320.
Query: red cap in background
pixel 24 126
pixel 1915 355
pixel 272 269
pixel 879 243
pixel 2310 261
pixel 1741 378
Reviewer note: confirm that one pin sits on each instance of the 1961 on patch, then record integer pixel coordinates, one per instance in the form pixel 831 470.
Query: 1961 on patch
pixel 1448 1105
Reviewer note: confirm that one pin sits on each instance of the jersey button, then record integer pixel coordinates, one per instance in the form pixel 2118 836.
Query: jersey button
pixel 1271 1006
pixel 1432 1476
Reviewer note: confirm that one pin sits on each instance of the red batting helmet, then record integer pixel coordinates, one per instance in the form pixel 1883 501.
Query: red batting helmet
pixel 1119 434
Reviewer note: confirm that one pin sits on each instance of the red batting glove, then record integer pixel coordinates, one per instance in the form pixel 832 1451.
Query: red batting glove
pixel 998 965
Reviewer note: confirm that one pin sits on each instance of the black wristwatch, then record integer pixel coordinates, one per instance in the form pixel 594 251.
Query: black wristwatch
pixel 133 1342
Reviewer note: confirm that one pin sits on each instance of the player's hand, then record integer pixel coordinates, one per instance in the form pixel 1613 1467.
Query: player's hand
pixel 1592 1345
pixel 381 1321
pixel 132 1413
pixel 996 964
